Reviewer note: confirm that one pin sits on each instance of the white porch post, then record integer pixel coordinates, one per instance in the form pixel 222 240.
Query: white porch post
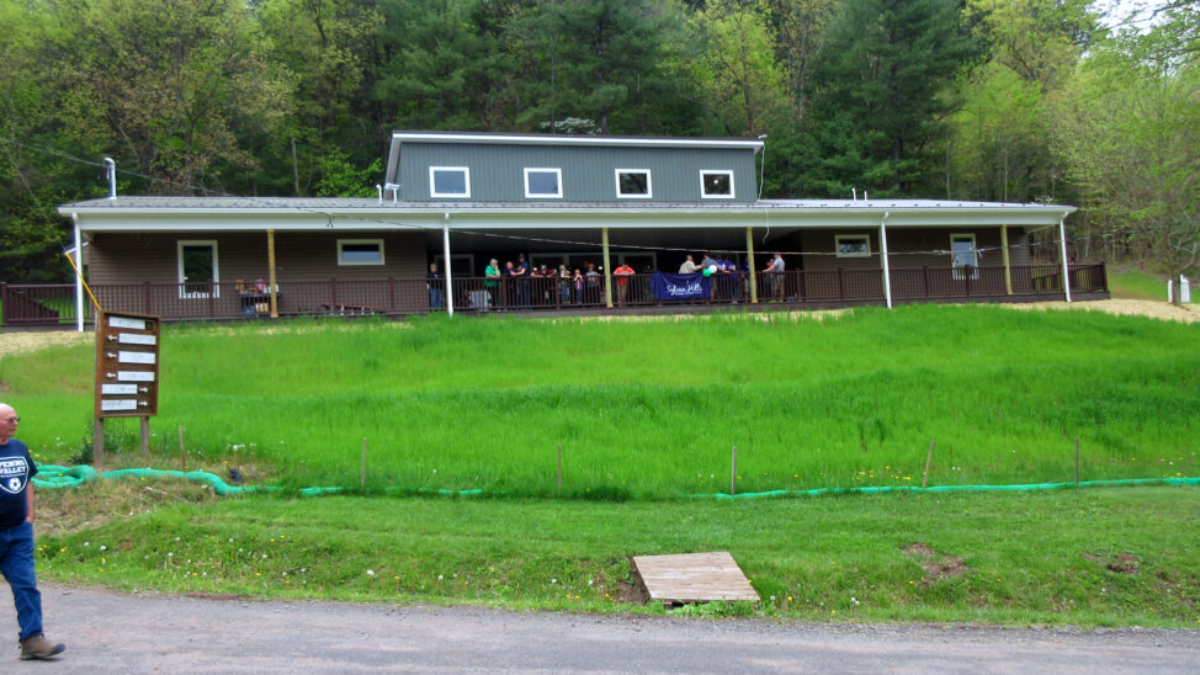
pixel 78 277
pixel 1062 238
pixel 449 292
pixel 883 253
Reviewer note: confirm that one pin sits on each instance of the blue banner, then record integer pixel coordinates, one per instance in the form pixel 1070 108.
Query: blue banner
pixel 681 286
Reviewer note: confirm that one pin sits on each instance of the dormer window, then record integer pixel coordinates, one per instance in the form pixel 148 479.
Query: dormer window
pixel 450 181
pixel 716 184
pixel 634 184
pixel 543 184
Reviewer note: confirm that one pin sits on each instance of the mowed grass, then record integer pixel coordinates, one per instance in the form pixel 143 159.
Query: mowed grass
pixel 1089 557
pixel 653 409
pixel 1138 284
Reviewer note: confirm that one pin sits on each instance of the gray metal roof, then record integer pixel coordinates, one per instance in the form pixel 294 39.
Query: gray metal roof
pixel 135 204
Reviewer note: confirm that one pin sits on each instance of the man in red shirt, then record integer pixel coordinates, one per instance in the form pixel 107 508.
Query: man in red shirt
pixel 623 273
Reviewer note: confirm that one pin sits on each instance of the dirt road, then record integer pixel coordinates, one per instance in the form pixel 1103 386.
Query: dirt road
pixel 109 632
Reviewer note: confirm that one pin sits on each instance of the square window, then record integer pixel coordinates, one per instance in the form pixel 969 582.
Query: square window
pixel 634 183
pixel 716 184
pixel 543 183
pixel 449 181
pixel 360 251
pixel 853 246
pixel 198 269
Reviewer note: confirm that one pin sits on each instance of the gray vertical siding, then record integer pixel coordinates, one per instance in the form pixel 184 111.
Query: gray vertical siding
pixel 588 173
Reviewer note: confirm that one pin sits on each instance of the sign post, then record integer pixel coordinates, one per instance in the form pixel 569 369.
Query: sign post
pixel 127 351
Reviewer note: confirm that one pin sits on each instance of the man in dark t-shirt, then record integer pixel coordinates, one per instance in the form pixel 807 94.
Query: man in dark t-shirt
pixel 16 537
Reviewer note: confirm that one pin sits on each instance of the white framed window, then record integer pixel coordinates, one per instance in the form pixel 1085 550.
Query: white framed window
pixel 450 181
pixel 359 252
pixel 634 184
pixel 543 184
pixel 964 256
pixel 716 185
pixel 198 268
pixel 853 245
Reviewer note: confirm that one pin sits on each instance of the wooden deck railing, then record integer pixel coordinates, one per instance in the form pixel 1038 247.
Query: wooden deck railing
pixel 54 305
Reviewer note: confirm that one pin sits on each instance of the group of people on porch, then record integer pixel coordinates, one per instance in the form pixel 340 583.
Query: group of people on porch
pixel 520 284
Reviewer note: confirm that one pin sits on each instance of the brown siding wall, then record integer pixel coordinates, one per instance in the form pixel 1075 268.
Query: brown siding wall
pixel 299 256
pixel 819 246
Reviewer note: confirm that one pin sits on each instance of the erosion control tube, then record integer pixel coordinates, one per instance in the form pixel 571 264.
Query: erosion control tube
pixel 53 477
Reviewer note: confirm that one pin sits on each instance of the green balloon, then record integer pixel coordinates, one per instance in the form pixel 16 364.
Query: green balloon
pixel 708 271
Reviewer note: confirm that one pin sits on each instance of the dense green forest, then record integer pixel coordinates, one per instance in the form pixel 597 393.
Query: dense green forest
pixel 1014 100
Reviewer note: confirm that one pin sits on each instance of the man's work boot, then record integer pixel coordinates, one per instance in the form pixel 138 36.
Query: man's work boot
pixel 38 647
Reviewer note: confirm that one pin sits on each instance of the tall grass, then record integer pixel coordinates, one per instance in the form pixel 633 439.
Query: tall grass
pixel 653 409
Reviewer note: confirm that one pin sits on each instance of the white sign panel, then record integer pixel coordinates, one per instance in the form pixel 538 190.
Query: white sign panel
pixel 136 357
pixel 134 376
pixel 127 322
pixel 135 339
pixel 119 404
pixel 109 389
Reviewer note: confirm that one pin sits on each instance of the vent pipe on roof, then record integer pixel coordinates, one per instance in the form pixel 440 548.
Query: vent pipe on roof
pixel 110 170
pixel 379 190
pixel 395 188
pixel 854 193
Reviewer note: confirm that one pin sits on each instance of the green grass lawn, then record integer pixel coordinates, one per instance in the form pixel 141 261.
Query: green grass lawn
pixel 1091 557
pixel 653 409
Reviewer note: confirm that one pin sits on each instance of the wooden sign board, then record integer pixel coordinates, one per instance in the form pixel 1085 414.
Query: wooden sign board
pixel 127 359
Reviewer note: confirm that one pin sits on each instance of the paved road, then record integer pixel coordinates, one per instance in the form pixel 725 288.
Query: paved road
pixel 109 632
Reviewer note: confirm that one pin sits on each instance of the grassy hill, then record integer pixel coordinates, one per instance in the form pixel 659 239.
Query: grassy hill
pixel 651 409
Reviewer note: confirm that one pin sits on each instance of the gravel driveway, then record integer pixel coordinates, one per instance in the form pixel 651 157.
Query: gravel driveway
pixel 110 632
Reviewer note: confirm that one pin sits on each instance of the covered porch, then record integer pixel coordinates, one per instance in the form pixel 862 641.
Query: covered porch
pixel 213 259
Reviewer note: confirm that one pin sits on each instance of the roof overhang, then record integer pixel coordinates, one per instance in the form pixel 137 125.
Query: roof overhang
pixel 257 215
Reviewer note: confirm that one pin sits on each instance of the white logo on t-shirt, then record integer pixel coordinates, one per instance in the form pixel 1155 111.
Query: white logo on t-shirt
pixel 14 472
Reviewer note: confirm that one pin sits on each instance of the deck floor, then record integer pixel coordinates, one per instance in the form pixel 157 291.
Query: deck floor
pixel 694 577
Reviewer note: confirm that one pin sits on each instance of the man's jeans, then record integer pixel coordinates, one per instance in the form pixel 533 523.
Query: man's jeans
pixel 16 563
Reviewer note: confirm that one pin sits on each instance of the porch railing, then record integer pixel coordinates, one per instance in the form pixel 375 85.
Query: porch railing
pixel 50 305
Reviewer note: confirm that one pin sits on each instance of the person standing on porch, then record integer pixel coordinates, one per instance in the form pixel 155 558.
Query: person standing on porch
pixel 774 272
pixel 623 273
pixel 564 284
pixel 16 538
pixel 435 284
pixel 689 266
pixel 492 280
pixel 522 273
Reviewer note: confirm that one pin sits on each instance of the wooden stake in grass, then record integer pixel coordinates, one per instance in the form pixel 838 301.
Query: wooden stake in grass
pixel 560 467
pixel 98 444
pixel 182 450
pixel 1077 461
pixel 733 474
pixel 362 479
pixel 928 461
pixel 145 429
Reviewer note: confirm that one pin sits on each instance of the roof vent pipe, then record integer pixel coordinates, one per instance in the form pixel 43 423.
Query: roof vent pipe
pixel 854 193
pixel 395 188
pixel 865 197
pixel 110 170
pixel 379 190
